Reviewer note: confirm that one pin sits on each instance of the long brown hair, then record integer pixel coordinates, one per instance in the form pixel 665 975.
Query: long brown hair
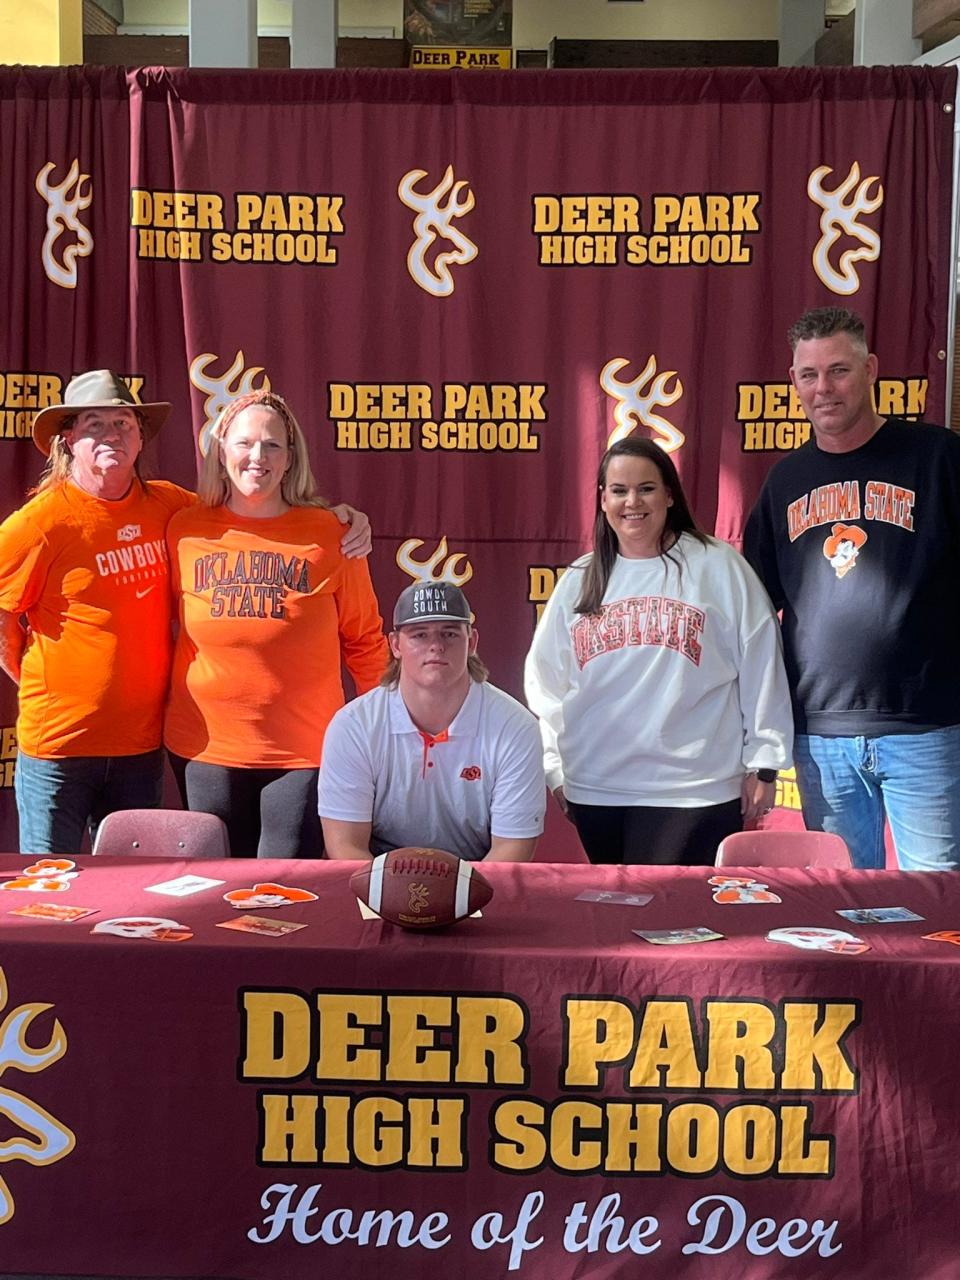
pixel 605 544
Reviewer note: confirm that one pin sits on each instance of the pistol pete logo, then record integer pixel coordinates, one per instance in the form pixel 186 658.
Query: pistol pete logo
pixel 841 216
pixel 843 546
pixel 435 220
pixel 636 401
pixel 65 203
pixel 220 391
pixel 45 1139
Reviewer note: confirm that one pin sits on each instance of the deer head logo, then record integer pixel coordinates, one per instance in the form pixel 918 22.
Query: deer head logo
pixel 64 206
pixel 435 219
pixel 840 216
pixel 635 406
pixel 48 1139
pixel 220 391
pixel 432 570
pixel 418 898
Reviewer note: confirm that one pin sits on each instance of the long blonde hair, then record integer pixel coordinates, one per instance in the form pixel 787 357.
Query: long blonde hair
pixel 299 488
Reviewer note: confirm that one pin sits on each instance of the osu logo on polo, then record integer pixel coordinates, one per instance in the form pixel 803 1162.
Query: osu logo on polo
pixel 220 391
pixel 636 402
pixel 471 773
pixel 65 203
pixel 45 1139
pixel 435 220
pixel 841 217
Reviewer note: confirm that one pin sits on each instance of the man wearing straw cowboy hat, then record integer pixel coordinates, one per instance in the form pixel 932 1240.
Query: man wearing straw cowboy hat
pixel 85 559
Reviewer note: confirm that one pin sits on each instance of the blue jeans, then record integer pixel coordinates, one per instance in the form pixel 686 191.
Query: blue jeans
pixel 848 785
pixel 58 799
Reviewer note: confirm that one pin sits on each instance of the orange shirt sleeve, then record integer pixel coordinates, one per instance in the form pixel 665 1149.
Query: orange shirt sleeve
pixel 362 642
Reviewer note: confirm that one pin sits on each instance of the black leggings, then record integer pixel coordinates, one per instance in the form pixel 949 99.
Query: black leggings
pixel 654 836
pixel 270 813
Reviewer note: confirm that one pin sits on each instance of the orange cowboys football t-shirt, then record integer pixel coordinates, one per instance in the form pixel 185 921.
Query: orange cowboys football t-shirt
pixel 268 609
pixel 92 577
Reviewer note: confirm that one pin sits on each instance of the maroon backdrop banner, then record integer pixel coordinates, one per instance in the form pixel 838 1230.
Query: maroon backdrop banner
pixel 467 286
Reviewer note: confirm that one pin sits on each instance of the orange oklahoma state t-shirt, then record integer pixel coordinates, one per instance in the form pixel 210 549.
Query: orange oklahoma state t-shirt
pixel 92 576
pixel 268 609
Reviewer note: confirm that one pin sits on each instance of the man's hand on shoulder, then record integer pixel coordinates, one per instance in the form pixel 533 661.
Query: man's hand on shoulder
pixel 357 542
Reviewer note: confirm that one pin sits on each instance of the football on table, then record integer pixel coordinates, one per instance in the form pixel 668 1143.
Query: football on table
pixel 421 888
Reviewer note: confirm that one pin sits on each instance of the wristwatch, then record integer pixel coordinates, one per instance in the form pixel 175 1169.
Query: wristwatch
pixel 766 775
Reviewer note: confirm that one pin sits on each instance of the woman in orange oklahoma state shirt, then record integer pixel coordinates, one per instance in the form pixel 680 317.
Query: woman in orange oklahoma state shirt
pixel 268 609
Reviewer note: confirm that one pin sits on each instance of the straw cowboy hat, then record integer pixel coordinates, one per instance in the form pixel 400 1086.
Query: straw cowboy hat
pixel 98 389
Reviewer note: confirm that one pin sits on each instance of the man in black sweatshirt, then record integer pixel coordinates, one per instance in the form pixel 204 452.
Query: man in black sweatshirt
pixel 856 536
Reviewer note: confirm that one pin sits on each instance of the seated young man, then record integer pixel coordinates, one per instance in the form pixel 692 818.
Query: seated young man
pixel 436 756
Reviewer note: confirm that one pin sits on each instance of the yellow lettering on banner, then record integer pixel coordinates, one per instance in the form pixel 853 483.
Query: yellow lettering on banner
pixel 179 210
pixel 490 1041
pixel 379 400
pixel 344 1022
pixel 414 1051
pixel 8 742
pixel 706 212
pixel 665 1056
pixel 599 1034
pixel 749 1140
pixel 693 1138
pixel 494 400
pixel 471 437
pixel 782 436
pixel 289 1128
pixel 275 1035
pixel 801 1155
pixel 437 1133
pixel 813 1056
pixel 592 214
pixel 522 1147
pixel 284 211
pixel 739 1054
pixel 374 435
pixel 29 390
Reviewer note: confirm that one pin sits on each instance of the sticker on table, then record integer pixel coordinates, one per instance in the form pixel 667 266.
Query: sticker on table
pixel 56 867
pixel 620 899
pixel 740 889
pixel 154 928
pixel 58 911
pixel 879 915
pixel 268 895
pixel 182 886
pixel 36 883
pixel 944 935
pixel 266 927
pixel 678 937
pixel 812 938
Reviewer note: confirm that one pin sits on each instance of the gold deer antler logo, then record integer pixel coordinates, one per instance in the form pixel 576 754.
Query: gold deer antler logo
pixel 220 391
pixel 635 409
pixel 418 897
pixel 434 219
pixel 840 216
pixel 64 206
pixel 48 1139
pixel 427 570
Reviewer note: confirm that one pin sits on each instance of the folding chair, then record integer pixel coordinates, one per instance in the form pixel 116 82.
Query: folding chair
pixel 162 833
pixel 783 849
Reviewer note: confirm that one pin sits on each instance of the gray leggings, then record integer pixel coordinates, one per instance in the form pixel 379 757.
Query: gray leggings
pixel 270 813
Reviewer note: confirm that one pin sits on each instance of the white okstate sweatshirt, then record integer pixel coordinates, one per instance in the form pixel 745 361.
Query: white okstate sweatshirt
pixel 672 693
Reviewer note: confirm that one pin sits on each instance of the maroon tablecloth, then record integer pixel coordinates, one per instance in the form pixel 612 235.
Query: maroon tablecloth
pixel 537 1093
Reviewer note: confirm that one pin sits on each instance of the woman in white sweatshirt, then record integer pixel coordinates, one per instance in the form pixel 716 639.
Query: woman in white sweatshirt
pixel 657 674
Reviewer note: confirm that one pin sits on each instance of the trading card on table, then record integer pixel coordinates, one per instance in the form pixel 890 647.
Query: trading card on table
pixel 621 899
pixel 54 911
pixel 154 928
pixel 879 915
pixel 260 924
pixel 183 885
pixel 677 937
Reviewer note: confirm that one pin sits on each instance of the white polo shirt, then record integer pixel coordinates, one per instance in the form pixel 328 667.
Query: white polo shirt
pixel 483 777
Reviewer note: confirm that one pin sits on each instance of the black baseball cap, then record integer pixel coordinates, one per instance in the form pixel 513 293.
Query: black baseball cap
pixel 431 602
